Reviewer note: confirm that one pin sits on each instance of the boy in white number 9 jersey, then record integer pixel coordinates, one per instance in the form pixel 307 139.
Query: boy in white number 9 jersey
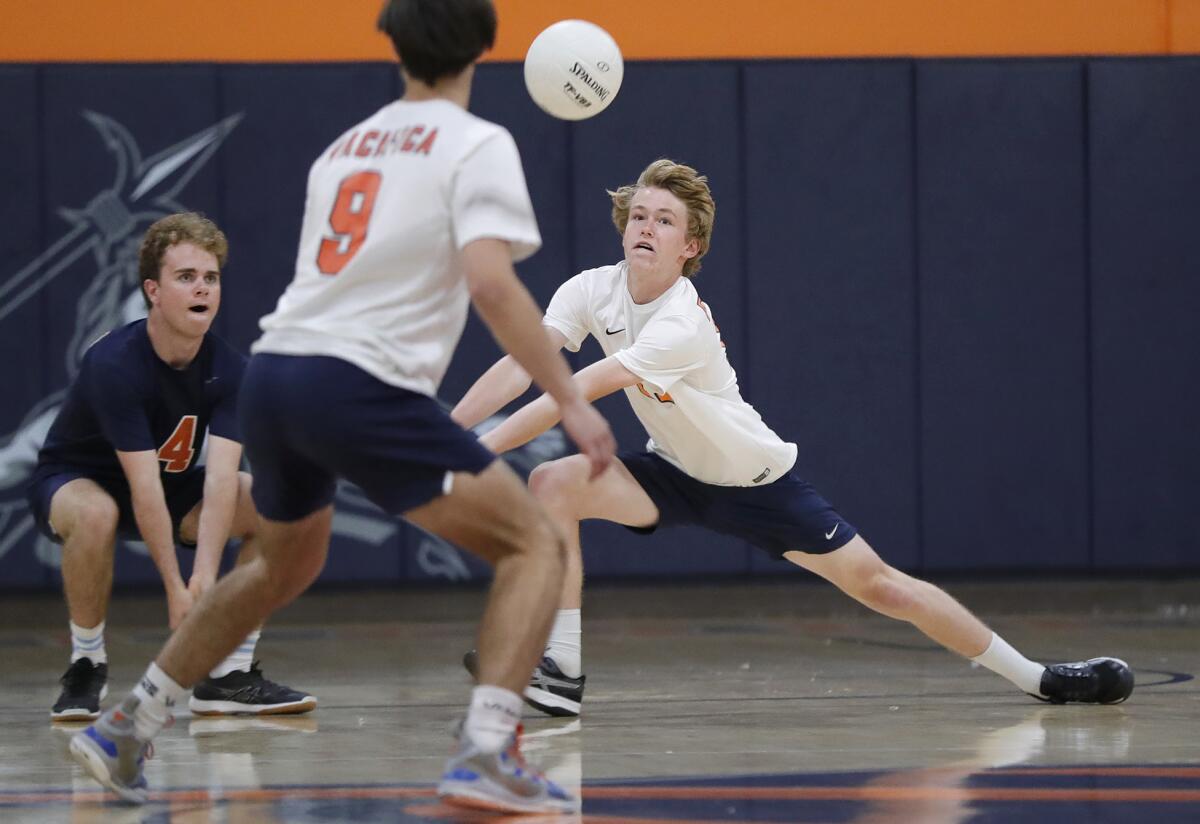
pixel 710 461
pixel 410 215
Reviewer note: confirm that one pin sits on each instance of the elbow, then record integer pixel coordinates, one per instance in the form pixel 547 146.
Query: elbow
pixel 521 379
pixel 486 292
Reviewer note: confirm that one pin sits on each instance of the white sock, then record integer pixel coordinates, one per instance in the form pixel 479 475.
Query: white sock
pixel 1006 662
pixel 494 715
pixel 88 643
pixel 566 642
pixel 240 659
pixel 152 700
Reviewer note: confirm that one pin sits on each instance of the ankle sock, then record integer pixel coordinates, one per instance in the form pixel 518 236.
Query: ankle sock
pixel 1006 662
pixel 151 701
pixel 493 716
pixel 565 646
pixel 88 643
pixel 240 659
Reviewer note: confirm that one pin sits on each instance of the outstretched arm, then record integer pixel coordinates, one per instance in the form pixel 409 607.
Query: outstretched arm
pixel 595 381
pixel 498 386
pixel 512 316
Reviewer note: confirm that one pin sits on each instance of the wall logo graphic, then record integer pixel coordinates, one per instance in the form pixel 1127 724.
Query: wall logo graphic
pixel 105 234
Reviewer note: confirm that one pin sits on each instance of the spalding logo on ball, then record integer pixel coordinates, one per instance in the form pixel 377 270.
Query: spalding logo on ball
pixel 573 69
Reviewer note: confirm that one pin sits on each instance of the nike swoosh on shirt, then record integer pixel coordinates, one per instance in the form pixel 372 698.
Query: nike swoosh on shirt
pixel 608 331
pixel 829 534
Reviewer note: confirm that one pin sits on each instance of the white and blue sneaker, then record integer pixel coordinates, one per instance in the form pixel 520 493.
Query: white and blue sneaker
pixel 500 781
pixel 109 752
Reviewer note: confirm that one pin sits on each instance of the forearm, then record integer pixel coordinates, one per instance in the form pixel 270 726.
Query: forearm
pixel 216 515
pixel 596 381
pixel 154 523
pixel 523 425
pixel 516 323
pixel 500 385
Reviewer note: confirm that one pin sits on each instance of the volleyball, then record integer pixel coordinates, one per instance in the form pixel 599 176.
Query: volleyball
pixel 573 69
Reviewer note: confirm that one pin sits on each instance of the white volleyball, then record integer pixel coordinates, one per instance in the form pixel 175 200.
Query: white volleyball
pixel 573 69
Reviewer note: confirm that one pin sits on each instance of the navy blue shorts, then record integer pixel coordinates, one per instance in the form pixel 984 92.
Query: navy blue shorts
pixel 308 420
pixel 777 518
pixel 182 496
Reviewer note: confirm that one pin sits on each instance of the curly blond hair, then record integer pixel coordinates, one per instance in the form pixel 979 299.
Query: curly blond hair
pixel 183 227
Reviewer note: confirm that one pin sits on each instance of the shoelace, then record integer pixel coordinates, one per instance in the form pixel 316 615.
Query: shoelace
pixel 76 675
pixel 514 748
pixel 514 752
pixel 148 747
pixel 1075 681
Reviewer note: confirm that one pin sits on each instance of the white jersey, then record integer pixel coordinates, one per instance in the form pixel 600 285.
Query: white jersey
pixel 379 280
pixel 688 398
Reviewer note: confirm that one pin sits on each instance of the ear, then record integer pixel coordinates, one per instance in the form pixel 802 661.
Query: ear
pixel 691 248
pixel 150 287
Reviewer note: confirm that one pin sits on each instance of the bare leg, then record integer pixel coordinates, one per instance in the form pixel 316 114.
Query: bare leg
pixel 245 522
pixel 492 515
pixel 856 570
pixel 290 557
pixel 564 491
pixel 85 517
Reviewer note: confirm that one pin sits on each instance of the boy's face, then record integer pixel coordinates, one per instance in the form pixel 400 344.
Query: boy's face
pixel 656 241
pixel 188 290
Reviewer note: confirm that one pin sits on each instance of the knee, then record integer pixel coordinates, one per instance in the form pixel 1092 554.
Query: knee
pixel 887 591
pixel 539 538
pixel 529 541
pixel 96 518
pixel 281 583
pixel 556 485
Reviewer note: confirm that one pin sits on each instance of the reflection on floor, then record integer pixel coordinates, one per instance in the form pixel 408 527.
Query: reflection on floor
pixel 704 704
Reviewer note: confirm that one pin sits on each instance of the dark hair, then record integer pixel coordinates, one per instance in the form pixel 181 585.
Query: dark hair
pixel 438 38
pixel 184 227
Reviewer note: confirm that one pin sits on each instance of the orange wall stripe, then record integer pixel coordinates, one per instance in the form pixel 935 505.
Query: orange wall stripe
pixel 1185 27
pixel 323 30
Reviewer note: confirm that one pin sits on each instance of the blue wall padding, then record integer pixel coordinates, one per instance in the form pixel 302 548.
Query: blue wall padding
pixel 966 289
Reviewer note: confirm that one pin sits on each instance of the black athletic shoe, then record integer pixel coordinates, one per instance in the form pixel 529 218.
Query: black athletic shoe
pixel 84 686
pixel 1095 681
pixel 247 693
pixel 549 690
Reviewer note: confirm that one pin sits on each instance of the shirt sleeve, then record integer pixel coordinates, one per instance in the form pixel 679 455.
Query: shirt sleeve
pixel 666 350
pixel 490 198
pixel 119 404
pixel 568 312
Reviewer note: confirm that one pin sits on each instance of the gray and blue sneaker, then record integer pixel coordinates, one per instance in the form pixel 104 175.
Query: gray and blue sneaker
pixel 109 752
pixel 549 690
pixel 1095 681
pixel 500 781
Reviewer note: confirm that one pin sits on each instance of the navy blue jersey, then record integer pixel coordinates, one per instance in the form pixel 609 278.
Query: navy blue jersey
pixel 126 398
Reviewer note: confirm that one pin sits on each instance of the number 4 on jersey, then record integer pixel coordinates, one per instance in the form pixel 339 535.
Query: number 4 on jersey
pixel 349 219
pixel 177 451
